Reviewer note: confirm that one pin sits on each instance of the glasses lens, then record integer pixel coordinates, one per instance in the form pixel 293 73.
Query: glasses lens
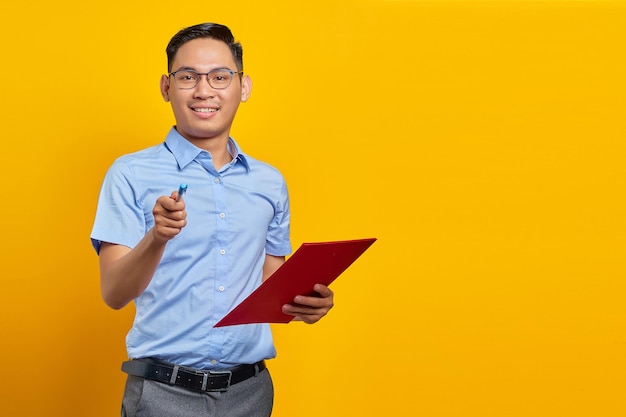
pixel 186 79
pixel 220 78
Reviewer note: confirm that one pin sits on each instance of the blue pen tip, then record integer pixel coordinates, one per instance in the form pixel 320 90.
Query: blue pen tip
pixel 183 187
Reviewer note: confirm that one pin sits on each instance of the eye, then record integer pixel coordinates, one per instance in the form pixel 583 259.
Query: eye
pixel 220 77
pixel 186 76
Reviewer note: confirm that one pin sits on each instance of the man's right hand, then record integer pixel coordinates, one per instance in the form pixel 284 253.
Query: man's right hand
pixel 169 217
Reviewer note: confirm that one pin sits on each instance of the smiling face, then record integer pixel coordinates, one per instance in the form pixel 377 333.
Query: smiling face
pixel 204 115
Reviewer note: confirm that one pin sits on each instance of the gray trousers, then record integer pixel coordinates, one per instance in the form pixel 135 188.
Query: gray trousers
pixel 253 397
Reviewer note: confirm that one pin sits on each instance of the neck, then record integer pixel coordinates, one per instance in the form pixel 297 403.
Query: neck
pixel 221 158
pixel 218 148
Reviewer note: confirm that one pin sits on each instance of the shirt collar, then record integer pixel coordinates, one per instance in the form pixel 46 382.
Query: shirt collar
pixel 185 152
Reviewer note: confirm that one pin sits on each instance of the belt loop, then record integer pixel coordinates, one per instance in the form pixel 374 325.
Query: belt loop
pixel 256 369
pixel 205 380
pixel 174 374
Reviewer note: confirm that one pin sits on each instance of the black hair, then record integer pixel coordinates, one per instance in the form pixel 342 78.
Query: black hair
pixel 204 30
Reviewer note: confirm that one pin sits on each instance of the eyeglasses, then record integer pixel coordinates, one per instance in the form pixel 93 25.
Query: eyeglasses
pixel 219 78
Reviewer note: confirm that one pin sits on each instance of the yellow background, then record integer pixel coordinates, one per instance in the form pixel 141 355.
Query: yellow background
pixel 482 143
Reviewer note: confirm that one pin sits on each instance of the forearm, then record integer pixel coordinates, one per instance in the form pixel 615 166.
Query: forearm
pixel 125 273
pixel 271 265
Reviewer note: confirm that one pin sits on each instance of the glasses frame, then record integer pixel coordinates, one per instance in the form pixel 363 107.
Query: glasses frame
pixel 206 74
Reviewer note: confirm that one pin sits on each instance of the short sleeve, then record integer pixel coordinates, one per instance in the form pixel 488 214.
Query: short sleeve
pixel 120 216
pixel 278 235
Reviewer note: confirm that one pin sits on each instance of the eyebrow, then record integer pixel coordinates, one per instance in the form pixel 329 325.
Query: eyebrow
pixel 195 70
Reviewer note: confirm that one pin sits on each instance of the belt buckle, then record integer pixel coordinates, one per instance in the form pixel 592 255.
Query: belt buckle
pixel 221 376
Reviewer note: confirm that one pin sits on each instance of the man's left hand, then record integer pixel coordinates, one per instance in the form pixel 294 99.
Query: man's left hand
pixel 310 309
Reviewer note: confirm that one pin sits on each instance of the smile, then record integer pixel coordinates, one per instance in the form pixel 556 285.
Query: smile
pixel 205 110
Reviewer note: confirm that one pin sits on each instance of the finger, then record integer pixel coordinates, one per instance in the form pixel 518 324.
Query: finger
pixel 322 290
pixel 308 317
pixel 315 302
pixel 165 233
pixel 176 196
pixel 175 212
pixel 170 203
pixel 325 298
pixel 302 310
pixel 176 219
pixel 168 227
pixel 170 223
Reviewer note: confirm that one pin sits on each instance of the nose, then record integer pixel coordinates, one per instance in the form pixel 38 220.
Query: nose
pixel 203 88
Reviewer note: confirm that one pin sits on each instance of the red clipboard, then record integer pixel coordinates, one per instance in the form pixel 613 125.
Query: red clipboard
pixel 312 263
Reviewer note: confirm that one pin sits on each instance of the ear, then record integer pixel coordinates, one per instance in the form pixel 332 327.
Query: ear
pixel 246 88
pixel 165 87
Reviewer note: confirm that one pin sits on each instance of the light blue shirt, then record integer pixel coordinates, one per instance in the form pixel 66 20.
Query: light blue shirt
pixel 234 218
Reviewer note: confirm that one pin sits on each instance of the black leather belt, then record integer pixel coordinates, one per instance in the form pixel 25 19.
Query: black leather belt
pixel 196 379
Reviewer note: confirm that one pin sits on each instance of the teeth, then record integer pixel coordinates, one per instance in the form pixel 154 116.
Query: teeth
pixel 205 110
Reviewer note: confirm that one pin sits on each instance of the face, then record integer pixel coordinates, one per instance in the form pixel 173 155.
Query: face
pixel 204 113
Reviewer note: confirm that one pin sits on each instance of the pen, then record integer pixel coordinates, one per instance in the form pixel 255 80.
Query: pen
pixel 181 191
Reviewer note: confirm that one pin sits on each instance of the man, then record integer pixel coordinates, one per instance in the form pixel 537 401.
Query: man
pixel 187 260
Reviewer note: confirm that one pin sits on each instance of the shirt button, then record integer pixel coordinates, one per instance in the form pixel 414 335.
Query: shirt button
pixel 221 288
pixel 213 361
pixel 222 215
pixel 216 180
pixel 222 252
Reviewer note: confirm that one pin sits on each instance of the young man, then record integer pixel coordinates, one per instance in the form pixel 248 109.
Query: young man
pixel 188 260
